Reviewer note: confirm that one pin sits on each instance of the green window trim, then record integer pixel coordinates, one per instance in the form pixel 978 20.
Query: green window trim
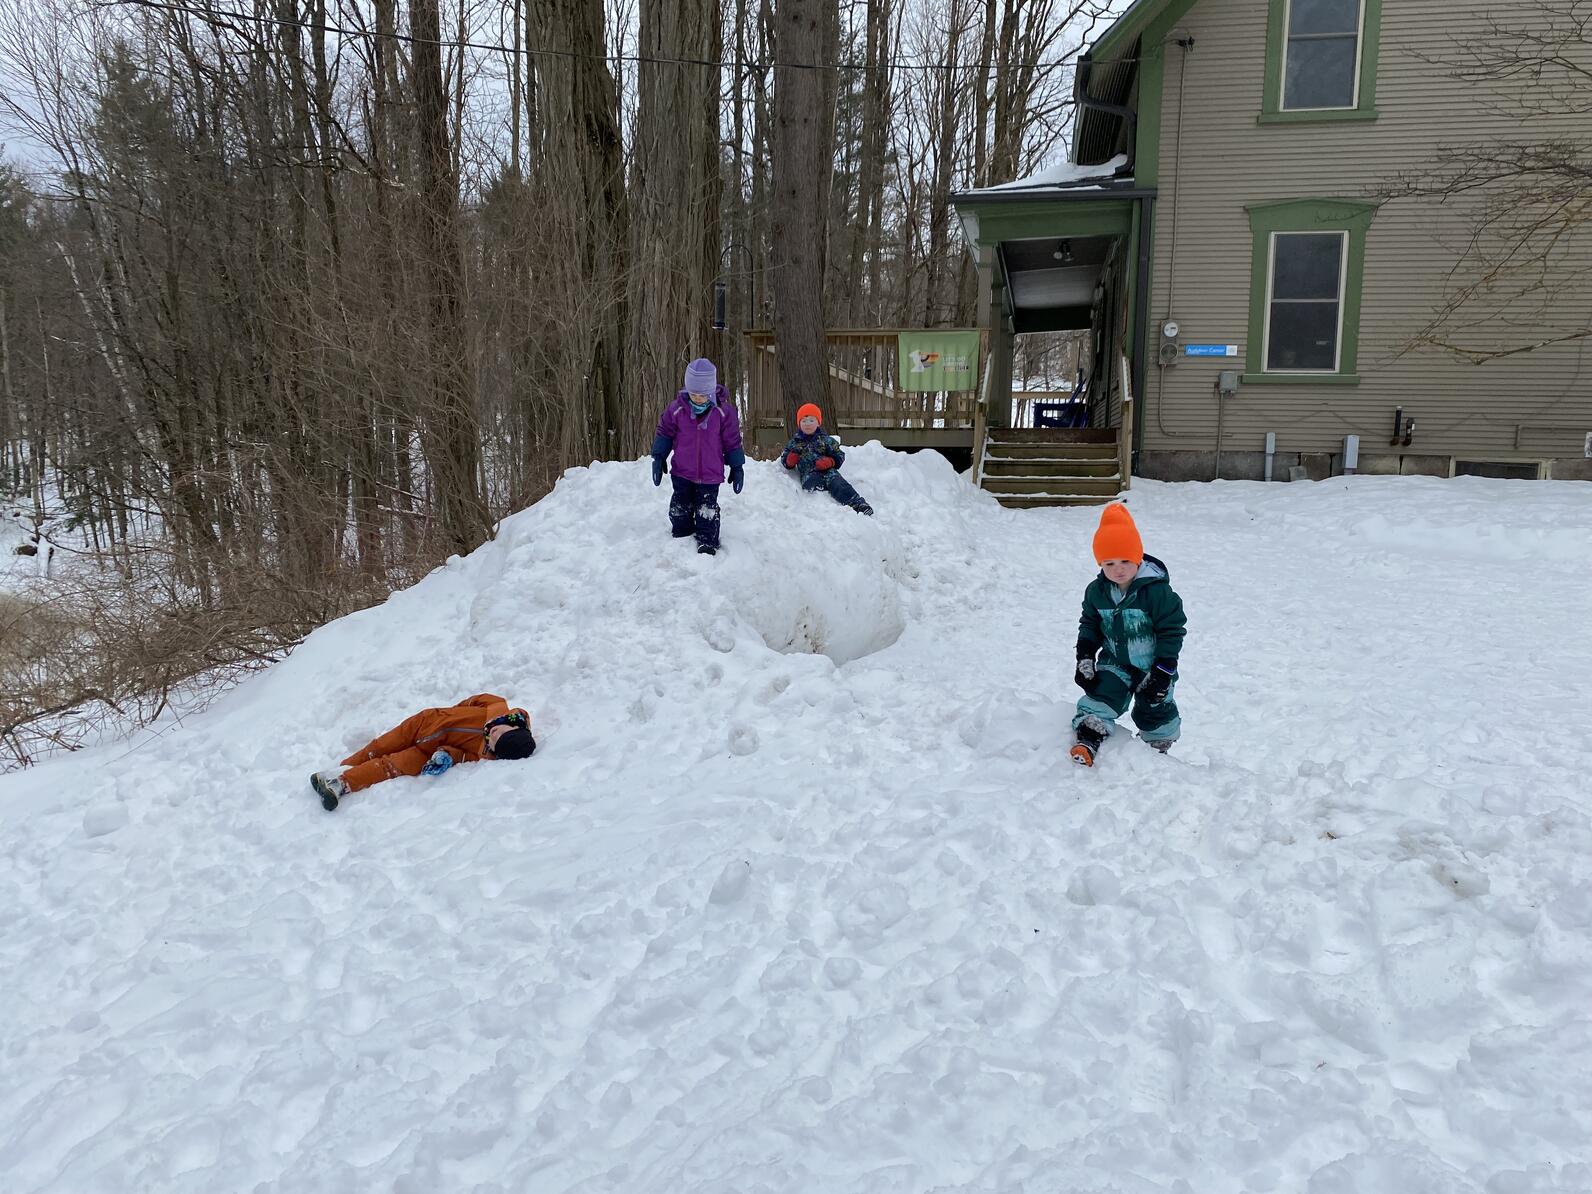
pixel 1271 109
pixel 1306 215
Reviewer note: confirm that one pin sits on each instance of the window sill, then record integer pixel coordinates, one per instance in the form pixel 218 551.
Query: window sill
pixel 1300 379
pixel 1325 116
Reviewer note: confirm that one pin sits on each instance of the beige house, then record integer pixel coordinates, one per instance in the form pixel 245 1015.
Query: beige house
pixel 1225 232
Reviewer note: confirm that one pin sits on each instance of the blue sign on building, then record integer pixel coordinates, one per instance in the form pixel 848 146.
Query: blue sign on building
pixel 1210 350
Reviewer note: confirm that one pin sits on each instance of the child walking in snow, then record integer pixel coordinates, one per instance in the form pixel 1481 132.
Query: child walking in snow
pixel 479 727
pixel 1128 641
pixel 816 459
pixel 702 430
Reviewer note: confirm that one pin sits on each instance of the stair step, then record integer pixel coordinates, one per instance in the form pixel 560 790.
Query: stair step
pixel 1053 435
pixel 1109 486
pixel 1006 451
pixel 1047 466
pixel 1033 501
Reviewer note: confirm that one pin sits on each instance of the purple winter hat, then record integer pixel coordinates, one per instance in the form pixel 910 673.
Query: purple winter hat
pixel 701 377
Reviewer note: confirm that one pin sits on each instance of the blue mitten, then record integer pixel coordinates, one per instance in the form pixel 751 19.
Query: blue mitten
pixel 437 764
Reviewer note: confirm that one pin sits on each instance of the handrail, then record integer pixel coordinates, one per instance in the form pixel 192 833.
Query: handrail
pixel 979 420
pixel 859 333
pixel 1125 431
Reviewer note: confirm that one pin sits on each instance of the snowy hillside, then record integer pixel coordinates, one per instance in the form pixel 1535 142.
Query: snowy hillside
pixel 800 893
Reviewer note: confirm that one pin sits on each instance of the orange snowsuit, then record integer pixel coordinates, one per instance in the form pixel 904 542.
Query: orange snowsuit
pixel 403 750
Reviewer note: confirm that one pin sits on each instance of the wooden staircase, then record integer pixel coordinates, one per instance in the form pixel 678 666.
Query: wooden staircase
pixel 1025 467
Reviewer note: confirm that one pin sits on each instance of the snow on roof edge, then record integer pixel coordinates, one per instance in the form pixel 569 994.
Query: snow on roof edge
pixel 1063 176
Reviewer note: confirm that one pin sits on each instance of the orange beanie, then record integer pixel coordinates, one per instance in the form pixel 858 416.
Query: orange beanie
pixel 1117 538
pixel 810 408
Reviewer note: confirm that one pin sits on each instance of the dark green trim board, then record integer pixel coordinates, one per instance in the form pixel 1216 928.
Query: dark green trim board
pixel 1153 49
pixel 1046 217
pixel 1301 379
pixel 1306 215
pixel 1271 109
pixel 1335 116
pixel 1117 40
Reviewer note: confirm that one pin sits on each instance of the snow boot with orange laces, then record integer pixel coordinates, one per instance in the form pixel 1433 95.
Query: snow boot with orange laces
pixel 1087 746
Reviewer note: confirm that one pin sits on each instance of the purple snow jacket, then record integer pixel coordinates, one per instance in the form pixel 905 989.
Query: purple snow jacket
pixel 702 446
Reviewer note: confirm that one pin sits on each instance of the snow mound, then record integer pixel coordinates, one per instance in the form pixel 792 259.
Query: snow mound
pixel 801 893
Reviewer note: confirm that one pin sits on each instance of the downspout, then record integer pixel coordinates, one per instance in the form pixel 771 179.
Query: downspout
pixel 1141 318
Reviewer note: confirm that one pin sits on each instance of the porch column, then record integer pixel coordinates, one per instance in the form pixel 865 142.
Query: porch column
pixel 994 317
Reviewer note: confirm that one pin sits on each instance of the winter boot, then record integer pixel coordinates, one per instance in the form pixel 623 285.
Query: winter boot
pixel 863 508
pixel 1087 745
pixel 706 549
pixel 1162 745
pixel 330 786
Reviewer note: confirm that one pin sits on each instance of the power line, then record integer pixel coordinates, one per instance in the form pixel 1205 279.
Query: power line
pixel 212 15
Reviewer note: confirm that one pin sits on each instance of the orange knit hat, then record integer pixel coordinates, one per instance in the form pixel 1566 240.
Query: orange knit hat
pixel 1118 537
pixel 810 408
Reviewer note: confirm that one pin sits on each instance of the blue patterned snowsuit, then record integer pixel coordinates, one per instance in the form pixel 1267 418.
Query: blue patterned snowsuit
pixel 808 449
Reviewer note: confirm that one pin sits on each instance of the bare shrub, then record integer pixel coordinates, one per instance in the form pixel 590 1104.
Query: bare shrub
pixel 99 656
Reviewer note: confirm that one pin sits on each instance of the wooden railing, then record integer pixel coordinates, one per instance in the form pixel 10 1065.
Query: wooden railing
pixel 981 419
pixel 862 393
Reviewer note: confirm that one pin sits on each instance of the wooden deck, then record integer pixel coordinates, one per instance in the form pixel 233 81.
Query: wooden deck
pixel 863 402
pixel 1020 466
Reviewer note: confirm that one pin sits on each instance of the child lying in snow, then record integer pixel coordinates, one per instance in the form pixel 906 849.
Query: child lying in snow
pixel 1135 623
pixel 481 727
pixel 816 460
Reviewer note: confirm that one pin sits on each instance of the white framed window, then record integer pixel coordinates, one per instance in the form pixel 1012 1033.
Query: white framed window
pixel 1321 55
pixel 1305 274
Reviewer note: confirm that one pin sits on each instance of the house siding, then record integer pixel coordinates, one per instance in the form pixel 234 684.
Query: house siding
pixel 1217 160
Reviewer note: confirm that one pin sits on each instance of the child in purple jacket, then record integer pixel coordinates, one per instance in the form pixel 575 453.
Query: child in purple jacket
pixel 701 428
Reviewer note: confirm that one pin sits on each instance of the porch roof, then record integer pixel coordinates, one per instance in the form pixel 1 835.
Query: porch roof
pixel 1051 241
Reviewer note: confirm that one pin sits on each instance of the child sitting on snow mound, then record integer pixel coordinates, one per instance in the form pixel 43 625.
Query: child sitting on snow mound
pixel 816 459
pixel 703 431
pixel 480 727
pixel 1128 641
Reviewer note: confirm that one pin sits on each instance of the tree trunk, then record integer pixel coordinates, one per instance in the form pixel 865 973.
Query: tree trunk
pixel 676 187
pixel 802 158
pixel 453 428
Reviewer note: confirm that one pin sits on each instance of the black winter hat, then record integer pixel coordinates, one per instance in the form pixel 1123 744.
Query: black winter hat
pixel 516 744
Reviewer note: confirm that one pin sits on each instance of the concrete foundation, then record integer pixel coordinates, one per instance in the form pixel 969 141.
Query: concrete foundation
pixel 1400 464
pixel 1186 465
pixel 1570 468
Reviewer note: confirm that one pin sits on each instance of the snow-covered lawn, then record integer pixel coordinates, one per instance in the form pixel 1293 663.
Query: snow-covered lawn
pixel 839 915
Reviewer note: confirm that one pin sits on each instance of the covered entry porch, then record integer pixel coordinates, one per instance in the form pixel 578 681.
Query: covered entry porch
pixel 1068 252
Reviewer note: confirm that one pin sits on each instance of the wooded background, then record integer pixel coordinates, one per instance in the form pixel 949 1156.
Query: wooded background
pixel 297 297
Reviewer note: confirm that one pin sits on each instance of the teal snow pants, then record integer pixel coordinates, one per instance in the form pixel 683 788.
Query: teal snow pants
pixel 1113 690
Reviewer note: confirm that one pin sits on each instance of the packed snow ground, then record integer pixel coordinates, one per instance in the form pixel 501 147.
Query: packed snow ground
pixel 800 892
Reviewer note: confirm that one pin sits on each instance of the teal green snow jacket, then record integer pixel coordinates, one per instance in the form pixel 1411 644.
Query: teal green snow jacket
pixel 1136 629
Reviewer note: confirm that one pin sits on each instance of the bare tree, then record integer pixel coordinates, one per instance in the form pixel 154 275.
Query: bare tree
pixel 1523 279
pixel 676 180
pixel 801 163
pixel 453 430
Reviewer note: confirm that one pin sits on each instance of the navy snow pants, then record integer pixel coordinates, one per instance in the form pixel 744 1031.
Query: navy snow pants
pixel 838 487
pixel 694 508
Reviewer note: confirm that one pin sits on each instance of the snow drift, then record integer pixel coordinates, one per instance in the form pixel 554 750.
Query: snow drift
pixel 800 893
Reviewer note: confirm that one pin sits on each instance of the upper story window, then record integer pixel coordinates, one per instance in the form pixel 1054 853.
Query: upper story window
pixel 1320 61
pixel 1321 68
